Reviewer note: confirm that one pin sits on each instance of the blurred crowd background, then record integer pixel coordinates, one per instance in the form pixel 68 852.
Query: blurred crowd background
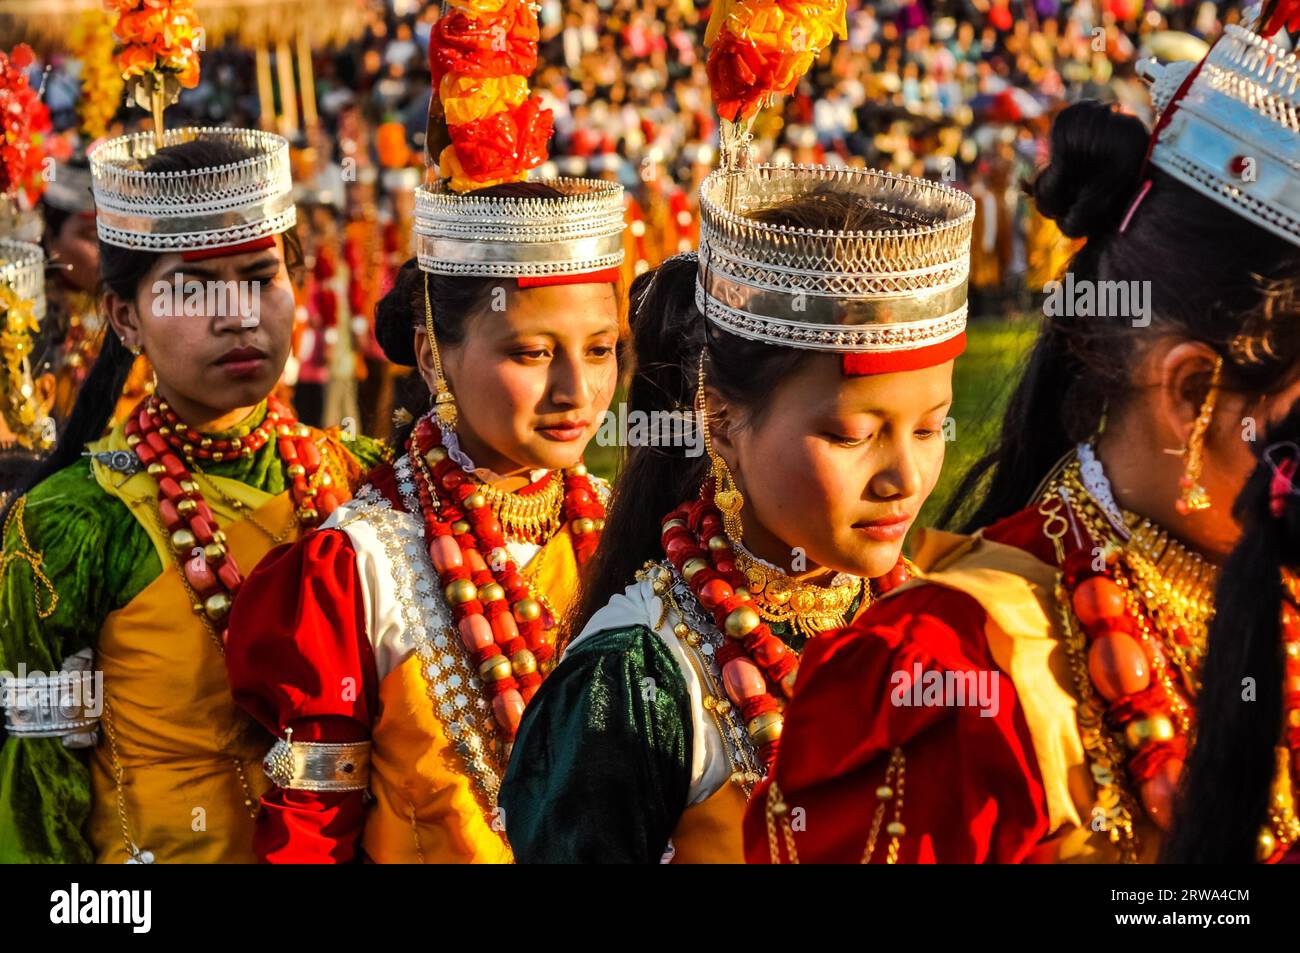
pixel 958 90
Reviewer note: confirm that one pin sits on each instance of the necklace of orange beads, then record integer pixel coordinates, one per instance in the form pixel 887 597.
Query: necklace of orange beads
pixel 167 447
pixel 504 626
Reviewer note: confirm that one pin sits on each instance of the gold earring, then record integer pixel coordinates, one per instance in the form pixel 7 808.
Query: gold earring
pixel 444 402
pixel 726 495
pixel 1192 495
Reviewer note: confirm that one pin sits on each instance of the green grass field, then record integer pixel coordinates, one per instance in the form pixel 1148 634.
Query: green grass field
pixel 983 380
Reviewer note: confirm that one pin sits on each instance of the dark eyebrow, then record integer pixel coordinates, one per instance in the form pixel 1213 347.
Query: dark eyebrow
pixel 201 270
pixel 264 263
pixel 877 412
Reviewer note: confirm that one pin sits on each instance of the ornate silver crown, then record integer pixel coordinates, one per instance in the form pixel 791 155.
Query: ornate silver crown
pixel 192 210
pixel 893 289
pixel 70 189
pixel 493 237
pixel 1235 134
pixel 22 268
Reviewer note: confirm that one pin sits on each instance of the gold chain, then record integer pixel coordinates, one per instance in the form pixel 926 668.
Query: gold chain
pixel 891 789
pixel 250 802
pixel 745 770
pixel 25 553
pixel 776 807
pixel 1177 587
pixel 808 608
pixel 1106 761
pixel 117 780
pixel 244 511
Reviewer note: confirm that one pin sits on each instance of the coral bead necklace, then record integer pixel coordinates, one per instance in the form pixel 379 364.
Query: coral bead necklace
pixel 502 623
pixel 1135 660
pixel 758 669
pixel 168 450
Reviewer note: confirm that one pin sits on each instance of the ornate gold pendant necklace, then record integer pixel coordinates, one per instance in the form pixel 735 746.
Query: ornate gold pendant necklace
pixel 537 515
pixel 808 608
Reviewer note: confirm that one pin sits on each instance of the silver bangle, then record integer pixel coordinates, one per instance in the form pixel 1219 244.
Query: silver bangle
pixel 316 766
pixel 48 706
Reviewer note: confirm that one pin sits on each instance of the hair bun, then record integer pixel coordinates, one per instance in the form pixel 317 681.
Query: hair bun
pixel 393 327
pixel 1098 154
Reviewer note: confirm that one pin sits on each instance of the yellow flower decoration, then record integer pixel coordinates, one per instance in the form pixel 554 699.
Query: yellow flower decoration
pixel 787 25
pixel 466 98
pixel 450 168
pixel 479 7
pixel 91 42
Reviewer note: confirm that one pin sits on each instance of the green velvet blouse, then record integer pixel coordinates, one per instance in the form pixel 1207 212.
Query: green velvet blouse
pixel 600 771
pixel 97 558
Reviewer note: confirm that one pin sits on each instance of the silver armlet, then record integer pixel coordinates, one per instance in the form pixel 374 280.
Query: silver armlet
pixel 50 706
pixel 315 766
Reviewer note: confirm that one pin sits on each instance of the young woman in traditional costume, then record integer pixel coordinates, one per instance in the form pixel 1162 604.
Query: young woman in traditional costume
pixel 125 559
pixel 393 651
pixel 835 304
pixel 1107 510
pixel 122 559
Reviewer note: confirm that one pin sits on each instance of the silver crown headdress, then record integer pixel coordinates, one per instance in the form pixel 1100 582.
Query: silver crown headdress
pixel 900 288
pixel 197 209
pixel 496 237
pixel 1234 135
pixel 22 268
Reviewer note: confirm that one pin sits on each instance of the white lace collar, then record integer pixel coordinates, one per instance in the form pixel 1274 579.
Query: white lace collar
pixel 451 443
pixel 1098 486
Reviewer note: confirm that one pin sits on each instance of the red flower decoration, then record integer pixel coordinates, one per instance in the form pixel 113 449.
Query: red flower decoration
pixel 24 128
pixel 504 144
pixel 741 75
pixel 498 44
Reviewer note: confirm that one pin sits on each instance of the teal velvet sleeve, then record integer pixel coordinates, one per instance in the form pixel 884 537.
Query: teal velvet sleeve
pixel 600 771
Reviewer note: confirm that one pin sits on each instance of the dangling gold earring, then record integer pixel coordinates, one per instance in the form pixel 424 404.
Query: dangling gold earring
pixel 1193 496
pixel 444 402
pixel 726 495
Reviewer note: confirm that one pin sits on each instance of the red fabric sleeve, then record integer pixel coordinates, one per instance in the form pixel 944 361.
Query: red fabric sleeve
pixel 299 657
pixel 971 787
